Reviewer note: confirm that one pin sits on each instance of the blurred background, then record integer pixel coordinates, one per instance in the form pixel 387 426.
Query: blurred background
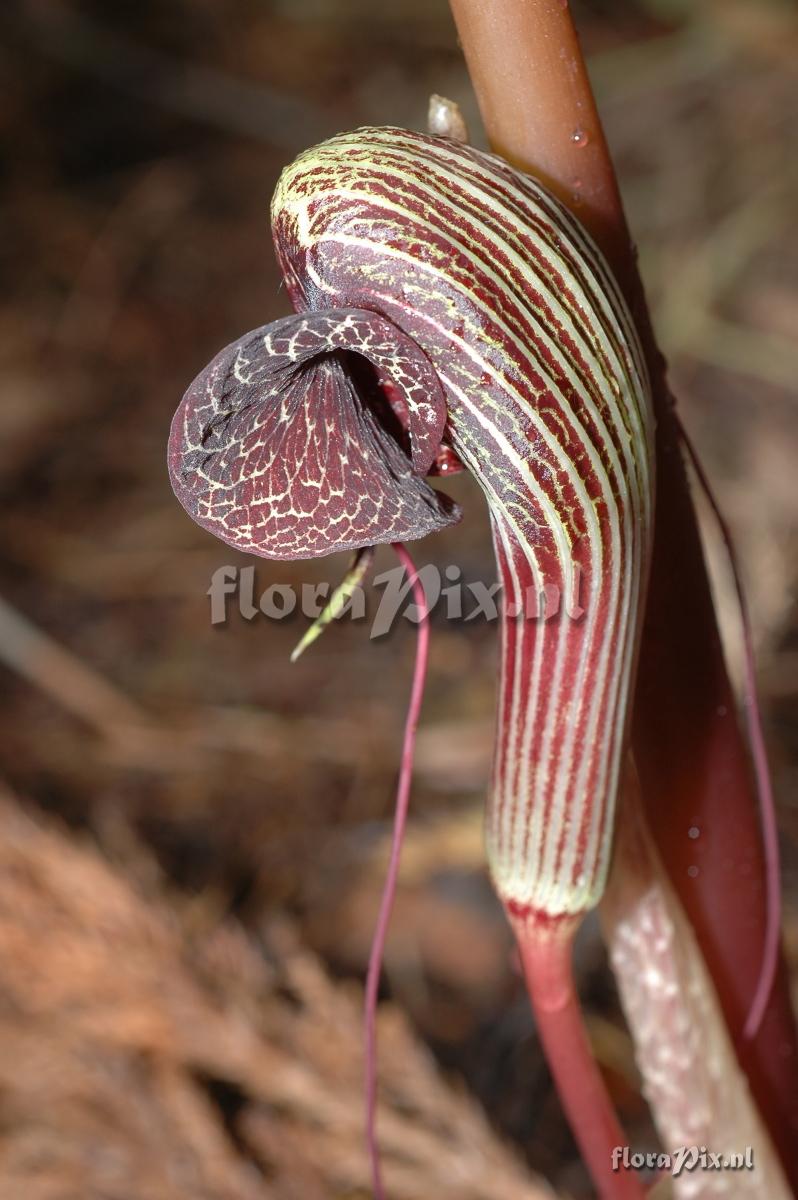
pixel 193 832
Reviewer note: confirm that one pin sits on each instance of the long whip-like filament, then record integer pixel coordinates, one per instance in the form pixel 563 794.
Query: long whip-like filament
pixel 389 887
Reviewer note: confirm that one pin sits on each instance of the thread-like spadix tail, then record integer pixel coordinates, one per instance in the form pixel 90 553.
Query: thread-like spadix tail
pixel 389 888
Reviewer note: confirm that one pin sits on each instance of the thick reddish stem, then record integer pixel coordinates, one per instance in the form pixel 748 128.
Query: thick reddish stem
pixel 770 832
pixel 538 109
pixel 546 954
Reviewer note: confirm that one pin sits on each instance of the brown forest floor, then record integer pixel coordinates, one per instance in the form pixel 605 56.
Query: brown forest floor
pixel 192 831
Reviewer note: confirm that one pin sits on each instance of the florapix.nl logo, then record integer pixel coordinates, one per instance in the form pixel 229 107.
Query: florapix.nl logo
pixel 389 598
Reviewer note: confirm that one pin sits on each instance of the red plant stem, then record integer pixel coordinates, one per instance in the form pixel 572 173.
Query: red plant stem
pixel 753 715
pixel 538 108
pixel 546 954
pixel 533 92
pixel 392 874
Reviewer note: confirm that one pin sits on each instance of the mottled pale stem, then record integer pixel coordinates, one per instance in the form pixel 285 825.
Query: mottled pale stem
pixel 693 1081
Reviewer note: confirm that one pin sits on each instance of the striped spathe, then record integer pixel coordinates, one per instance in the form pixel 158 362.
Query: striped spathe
pixel 548 405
